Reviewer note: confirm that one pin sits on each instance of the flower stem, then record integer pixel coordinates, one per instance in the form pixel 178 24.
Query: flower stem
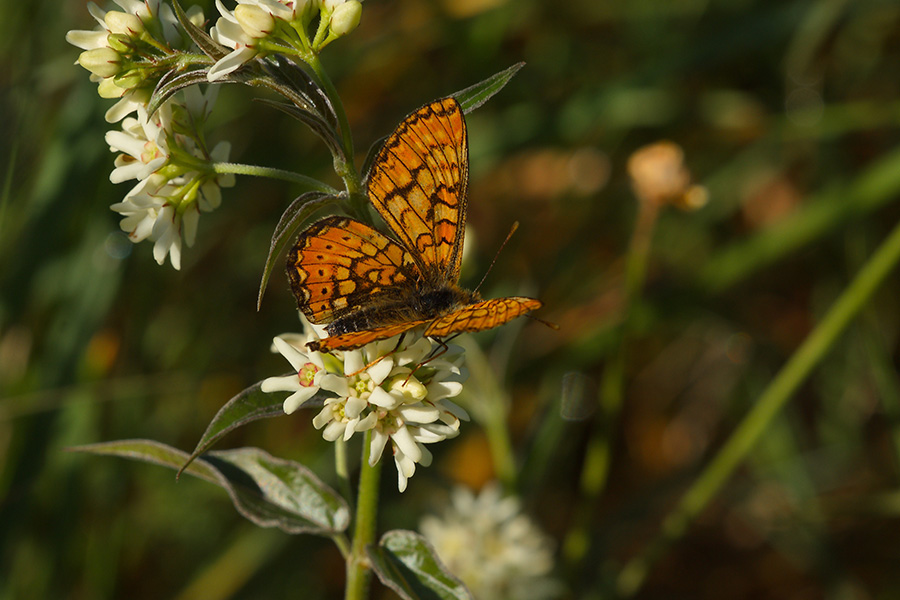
pixel 342 469
pixel 773 398
pixel 239 169
pixel 358 568
pixel 347 170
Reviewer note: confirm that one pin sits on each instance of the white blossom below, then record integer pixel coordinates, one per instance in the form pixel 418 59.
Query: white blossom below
pixel 400 394
pixel 497 551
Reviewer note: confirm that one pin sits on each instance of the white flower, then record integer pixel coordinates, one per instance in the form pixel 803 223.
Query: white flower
pixel 241 35
pixel 492 547
pixel 309 369
pixel 165 205
pixel 143 145
pixel 398 393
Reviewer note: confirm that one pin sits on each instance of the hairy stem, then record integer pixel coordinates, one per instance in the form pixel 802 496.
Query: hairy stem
pixel 239 169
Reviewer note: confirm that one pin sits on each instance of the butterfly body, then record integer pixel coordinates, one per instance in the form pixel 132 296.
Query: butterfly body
pixel 366 286
pixel 411 304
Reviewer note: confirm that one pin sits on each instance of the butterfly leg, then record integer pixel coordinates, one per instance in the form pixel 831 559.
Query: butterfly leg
pixel 444 349
pixel 380 358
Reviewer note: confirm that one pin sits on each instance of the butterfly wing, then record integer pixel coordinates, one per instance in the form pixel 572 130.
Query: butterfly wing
pixel 339 264
pixel 357 339
pixel 418 184
pixel 482 315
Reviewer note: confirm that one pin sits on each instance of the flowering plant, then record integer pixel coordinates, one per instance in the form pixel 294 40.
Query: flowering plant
pixel 153 58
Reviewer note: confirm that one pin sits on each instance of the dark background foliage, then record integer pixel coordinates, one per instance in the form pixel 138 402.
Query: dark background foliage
pixel 787 111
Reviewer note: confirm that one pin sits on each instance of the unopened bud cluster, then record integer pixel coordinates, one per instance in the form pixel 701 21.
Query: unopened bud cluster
pixel 256 28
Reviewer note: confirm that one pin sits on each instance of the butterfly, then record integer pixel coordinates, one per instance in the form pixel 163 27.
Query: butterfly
pixel 367 286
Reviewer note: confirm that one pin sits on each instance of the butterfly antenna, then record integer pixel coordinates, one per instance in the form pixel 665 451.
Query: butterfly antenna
pixel 512 230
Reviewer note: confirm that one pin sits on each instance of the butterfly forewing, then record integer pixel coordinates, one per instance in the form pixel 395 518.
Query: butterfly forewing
pixel 482 315
pixel 339 264
pixel 418 185
pixel 366 286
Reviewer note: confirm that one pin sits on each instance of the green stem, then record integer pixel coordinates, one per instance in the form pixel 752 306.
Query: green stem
pixel 342 469
pixel 347 170
pixel 239 169
pixel 773 398
pixel 358 568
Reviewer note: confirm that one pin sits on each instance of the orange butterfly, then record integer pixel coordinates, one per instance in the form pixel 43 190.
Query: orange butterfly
pixel 367 286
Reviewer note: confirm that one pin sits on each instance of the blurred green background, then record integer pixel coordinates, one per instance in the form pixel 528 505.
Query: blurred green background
pixel 788 113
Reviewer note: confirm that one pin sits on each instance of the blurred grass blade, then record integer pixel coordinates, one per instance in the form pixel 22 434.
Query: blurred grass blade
pixel 848 305
pixel 826 211
pixel 474 96
pixel 271 492
pixel 405 562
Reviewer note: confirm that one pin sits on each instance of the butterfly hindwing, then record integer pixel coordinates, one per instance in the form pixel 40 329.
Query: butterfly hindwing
pixel 339 264
pixel 357 339
pixel 418 185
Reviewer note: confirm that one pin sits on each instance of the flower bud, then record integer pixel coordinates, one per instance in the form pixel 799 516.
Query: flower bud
pixel 124 23
pixel 409 387
pixel 256 22
pixel 130 79
pixel 120 42
pixel 103 62
pixel 345 17
pixel 330 5
pixel 107 88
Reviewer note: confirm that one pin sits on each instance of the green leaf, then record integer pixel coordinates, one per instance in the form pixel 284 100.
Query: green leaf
pixel 250 405
pixel 474 96
pixel 172 82
pixel 373 152
pixel 271 492
pixel 299 210
pixel 405 562
pixel 207 45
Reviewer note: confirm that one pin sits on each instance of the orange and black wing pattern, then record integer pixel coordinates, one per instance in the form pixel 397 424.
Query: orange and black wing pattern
pixel 418 185
pixel 339 264
pixel 358 339
pixel 479 316
pixel 368 287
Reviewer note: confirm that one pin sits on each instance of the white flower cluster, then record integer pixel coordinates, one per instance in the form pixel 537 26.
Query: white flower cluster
pixel 400 394
pixel 171 165
pixel 256 27
pixel 116 52
pixel 488 543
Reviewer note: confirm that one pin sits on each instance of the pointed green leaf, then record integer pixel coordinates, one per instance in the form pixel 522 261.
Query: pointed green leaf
pixel 474 96
pixel 271 492
pixel 295 215
pixel 172 83
pixel 207 45
pixel 405 562
pixel 373 152
pixel 250 405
